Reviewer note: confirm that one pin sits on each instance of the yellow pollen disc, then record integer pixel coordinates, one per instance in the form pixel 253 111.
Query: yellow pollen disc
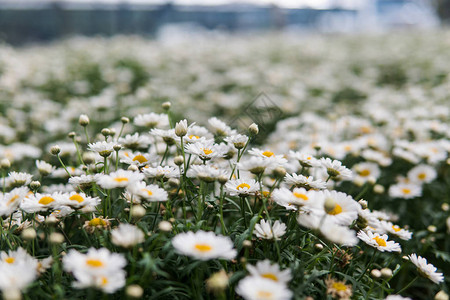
pixel 207 151
pixel 267 153
pixel 396 228
pixel 120 179
pixel 97 222
pixel 12 200
pixel 194 136
pixel 104 281
pixel 348 148
pixel 366 129
pixel 264 295
pixel 126 154
pixel 243 185
pixel 203 247
pixel 46 200
pixel 301 196
pixel 406 191
pixel 266 193
pixel 77 197
pixel 422 176
pixel 364 173
pixel 339 286
pixel 336 210
pixel 381 242
pixel 140 158
pixel 309 158
pixel 10 260
pixel 270 276
pixel 150 193
pixel 95 263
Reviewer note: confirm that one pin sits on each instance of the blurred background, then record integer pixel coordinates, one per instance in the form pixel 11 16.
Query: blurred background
pixel 30 21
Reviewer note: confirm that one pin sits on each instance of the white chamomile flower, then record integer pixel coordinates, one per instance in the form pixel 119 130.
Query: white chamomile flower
pixel 134 141
pixel 151 120
pixel 425 269
pixel 405 190
pixel 204 245
pixel 150 193
pixel 254 164
pixel 44 168
pixel 274 160
pixel 266 269
pixel 366 171
pixel 106 282
pixel 307 182
pixel 40 202
pixel 15 277
pixel 161 172
pixel 267 231
pixel 137 158
pixel 295 199
pixel 396 297
pixel 84 180
pixel 18 257
pixel 205 150
pixel 218 127
pixel 258 288
pixel 396 230
pixel 242 187
pixel 78 200
pixel 306 160
pixel 337 206
pixel 206 173
pixel 238 141
pixel 9 202
pixel 16 179
pixel 338 234
pixel 119 179
pixel 378 241
pixel 335 169
pixel 422 174
pixel 127 236
pixel 197 133
pixel 103 148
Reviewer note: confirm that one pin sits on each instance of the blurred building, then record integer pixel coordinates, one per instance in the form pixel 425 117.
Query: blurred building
pixel 42 20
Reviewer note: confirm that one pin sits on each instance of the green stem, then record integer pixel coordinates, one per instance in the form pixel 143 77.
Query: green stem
pixel 63 165
pixel 408 285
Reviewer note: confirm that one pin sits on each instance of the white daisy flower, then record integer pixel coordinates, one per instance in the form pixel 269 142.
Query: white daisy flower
pixel 266 269
pixel 168 136
pixel 405 190
pixel 44 168
pixel 396 297
pixel 295 199
pixel 304 181
pixel 84 180
pixel 366 171
pixel 258 288
pixel 16 179
pixel 18 257
pixel 255 165
pixel 341 207
pixel 425 269
pixel 161 172
pixel 238 140
pixel 306 160
pixel 136 158
pixel 267 231
pixel 103 148
pixel 242 187
pixel 205 150
pixel 197 133
pixel 151 193
pixel 9 202
pixel 335 169
pixel 127 236
pixel 40 202
pixel 135 141
pixel 275 160
pixel 15 277
pixel 204 245
pixel 376 156
pixel 396 230
pixel 207 173
pixel 422 174
pixel 218 127
pixel 119 179
pixel 78 200
pixel 151 120
pixel 106 282
pixel 379 241
pixel 335 233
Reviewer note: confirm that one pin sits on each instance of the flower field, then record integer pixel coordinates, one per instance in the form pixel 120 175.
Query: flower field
pixel 226 167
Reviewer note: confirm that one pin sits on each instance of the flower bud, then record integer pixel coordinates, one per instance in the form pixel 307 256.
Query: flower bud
pixel 378 188
pixel 133 168
pixel 56 238
pixel 134 291
pixel 181 128
pixel 432 228
pixel 222 179
pixel 83 120
pixel 279 172
pixel 386 273
pixel 72 134
pixel 166 105
pixel 441 295
pixel 318 247
pixel 173 182
pixel 125 120
pixel 445 207
pixel 5 164
pixel 247 244
pixel 375 273
pixel 138 211
pixel 106 132
pixel 35 185
pixel 117 147
pixel 218 282
pixel 363 203
pixel 253 128
pixel 89 157
pixel 165 226
pixel 178 160
pixel 55 150
pixel 29 234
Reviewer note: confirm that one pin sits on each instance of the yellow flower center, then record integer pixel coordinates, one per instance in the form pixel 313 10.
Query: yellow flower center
pixel 266 193
pixel 120 179
pixel 267 153
pixel 406 191
pixel 243 185
pixel 301 196
pixel 396 228
pixel 97 222
pixel 194 137
pixel 104 281
pixel 264 295
pixel 309 158
pixel 207 151
pixel 150 193
pixel 336 210
pixel 339 286
pixel 203 247
pixel 364 173
pixel 77 197
pixel 10 260
pixel 95 263
pixel 270 276
pixel 46 200
pixel 422 176
pixel 140 158
pixel 381 242
pixel 12 200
